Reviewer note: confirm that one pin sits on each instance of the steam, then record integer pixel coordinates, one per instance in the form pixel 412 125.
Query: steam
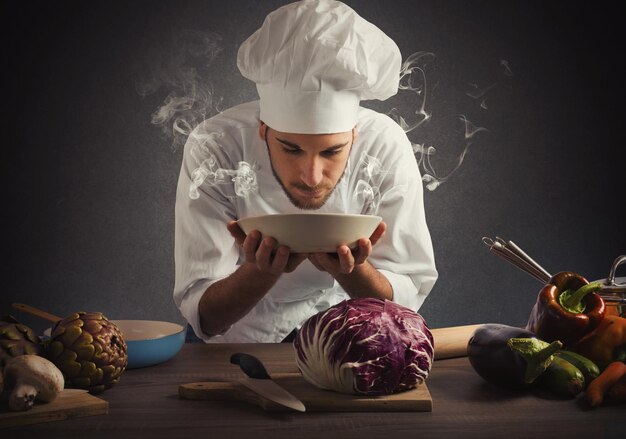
pixel 243 179
pixel 456 132
pixel 367 190
pixel 430 177
pixel 506 69
pixel 181 70
pixel 413 79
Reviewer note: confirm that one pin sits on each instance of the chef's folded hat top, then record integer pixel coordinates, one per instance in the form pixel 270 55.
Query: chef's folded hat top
pixel 313 61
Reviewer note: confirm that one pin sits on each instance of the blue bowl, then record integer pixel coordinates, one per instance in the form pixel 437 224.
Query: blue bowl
pixel 150 342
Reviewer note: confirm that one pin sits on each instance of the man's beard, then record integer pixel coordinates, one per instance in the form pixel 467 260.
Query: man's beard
pixel 304 205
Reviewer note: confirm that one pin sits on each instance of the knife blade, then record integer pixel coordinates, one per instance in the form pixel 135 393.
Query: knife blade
pixel 259 381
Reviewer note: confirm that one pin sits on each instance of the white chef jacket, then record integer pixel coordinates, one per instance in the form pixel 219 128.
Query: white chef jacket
pixel 381 178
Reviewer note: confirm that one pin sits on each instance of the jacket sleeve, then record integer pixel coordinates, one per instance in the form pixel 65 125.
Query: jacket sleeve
pixel 204 250
pixel 405 253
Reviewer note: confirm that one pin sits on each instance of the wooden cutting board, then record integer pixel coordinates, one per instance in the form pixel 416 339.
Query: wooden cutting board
pixel 68 404
pixel 449 342
pixel 314 398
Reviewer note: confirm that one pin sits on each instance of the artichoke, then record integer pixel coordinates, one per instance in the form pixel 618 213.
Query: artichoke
pixel 17 339
pixel 90 351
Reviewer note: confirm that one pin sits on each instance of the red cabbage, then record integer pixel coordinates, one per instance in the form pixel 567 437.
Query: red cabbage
pixel 365 346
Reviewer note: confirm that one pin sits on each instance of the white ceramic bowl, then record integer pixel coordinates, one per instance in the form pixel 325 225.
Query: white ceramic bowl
pixel 313 232
pixel 150 342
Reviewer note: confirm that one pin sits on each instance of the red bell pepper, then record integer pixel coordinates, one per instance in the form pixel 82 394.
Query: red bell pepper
pixel 567 309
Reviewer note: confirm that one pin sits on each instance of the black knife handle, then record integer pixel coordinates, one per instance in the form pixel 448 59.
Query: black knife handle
pixel 250 365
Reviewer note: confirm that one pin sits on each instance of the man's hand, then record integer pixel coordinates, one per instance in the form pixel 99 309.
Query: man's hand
pixel 344 261
pixel 261 252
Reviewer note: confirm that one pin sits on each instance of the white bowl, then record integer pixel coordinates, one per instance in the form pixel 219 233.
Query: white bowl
pixel 313 232
pixel 150 342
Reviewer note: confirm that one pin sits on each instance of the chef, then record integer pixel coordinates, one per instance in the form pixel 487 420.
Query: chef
pixel 305 146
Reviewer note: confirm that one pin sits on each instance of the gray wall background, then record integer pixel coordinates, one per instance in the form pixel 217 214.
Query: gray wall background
pixel 89 179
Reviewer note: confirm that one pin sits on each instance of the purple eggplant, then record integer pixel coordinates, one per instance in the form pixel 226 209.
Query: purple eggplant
pixel 508 356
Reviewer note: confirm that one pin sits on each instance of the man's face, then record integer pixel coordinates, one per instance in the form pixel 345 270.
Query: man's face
pixel 307 166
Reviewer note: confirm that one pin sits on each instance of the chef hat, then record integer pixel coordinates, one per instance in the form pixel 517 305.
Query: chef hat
pixel 313 61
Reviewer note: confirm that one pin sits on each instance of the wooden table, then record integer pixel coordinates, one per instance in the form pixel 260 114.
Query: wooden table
pixel 146 404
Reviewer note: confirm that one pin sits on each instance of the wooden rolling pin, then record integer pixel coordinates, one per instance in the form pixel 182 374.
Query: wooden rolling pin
pixel 452 342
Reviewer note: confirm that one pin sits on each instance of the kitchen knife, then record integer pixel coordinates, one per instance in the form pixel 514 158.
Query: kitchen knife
pixel 259 381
